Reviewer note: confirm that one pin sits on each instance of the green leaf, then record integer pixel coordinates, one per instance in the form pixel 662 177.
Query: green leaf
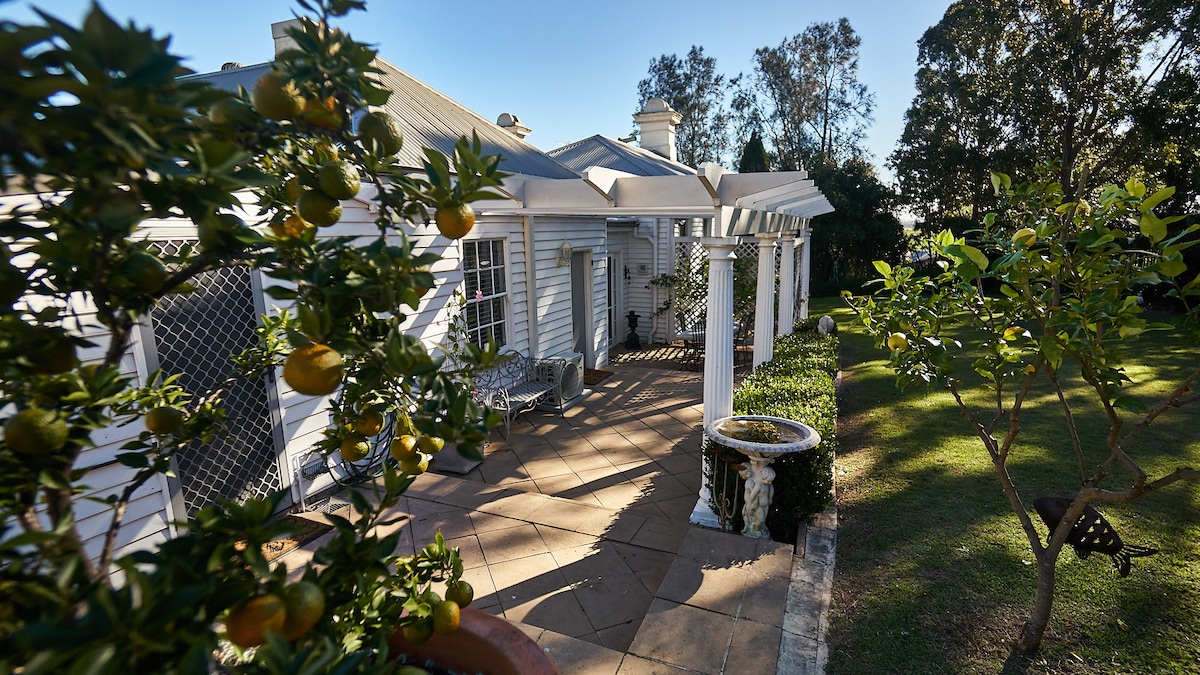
pixel 133 460
pixel 1130 404
pixel 1153 227
pixel 1155 199
pixel 976 256
pixel 882 267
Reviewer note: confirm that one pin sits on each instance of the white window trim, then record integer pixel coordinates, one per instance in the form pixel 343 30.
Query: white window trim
pixel 507 321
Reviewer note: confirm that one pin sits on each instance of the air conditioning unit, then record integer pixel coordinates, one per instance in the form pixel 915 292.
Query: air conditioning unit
pixel 565 372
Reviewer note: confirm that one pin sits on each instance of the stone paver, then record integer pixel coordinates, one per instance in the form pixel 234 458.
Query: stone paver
pixel 576 527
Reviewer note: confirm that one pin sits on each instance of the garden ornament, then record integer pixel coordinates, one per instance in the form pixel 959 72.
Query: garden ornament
pixel 1091 533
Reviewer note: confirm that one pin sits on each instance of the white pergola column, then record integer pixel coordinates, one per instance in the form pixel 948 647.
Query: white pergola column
pixel 805 268
pixel 718 354
pixel 764 306
pixel 787 282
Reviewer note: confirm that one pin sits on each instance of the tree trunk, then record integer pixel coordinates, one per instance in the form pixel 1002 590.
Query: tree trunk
pixel 1035 625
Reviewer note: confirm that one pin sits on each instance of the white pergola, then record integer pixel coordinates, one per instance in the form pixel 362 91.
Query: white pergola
pixel 774 207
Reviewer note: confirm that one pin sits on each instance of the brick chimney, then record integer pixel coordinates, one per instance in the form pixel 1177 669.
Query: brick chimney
pixel 657 121
pixel 512 124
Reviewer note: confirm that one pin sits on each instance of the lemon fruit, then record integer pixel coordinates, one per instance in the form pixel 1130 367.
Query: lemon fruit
pixel 431 445
pixel 339 179
pixel 403 447
pixel 318 208
pixel 369 423
pixel 418 633
pixel 291 189
pixel 314 370
pixel 1026 236
pixel 379 129
pixel 416 465
pixel 164 419
pixel 897 342
pixel 454 221
pixel 460 592
pixel 247 624
pixel 354 447
pixel 304 603
pixel 446 616
pixel 35 431
pixel 276 97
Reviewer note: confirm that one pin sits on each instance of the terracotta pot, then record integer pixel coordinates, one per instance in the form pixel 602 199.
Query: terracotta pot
pixel 482 643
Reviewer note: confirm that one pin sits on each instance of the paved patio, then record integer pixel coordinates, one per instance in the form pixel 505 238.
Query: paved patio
pixel 576 527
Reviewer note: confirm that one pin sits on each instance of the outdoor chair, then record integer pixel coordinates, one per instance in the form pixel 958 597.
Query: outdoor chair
pixel 693 343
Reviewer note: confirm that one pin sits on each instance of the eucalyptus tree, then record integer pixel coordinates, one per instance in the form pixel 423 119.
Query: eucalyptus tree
pixel 694 88
pixel 805 97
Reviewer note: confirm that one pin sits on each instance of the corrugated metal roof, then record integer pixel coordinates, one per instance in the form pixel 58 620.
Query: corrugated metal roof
pixel 428 118
pixel 612 154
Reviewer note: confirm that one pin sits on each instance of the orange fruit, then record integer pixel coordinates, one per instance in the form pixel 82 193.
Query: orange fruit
pixel 53 357
pixel 247 624
pixel 293 227
pixel 404 447
pixel 291 189
pixel 229 110
pixel 318 208
pixel 354 447
pixel 164 419
pixel 454 221
pixel 141 272
pixel 369 423
pixel 35 431
pixel 416 465
pixel 418 633
pixel 379 129
pixel 460 592
pixel 339 179
pixel 304 603
pixel 411 670
pixel 276 97
pixel 323 113
pixel 314 370
pixel 446 616
pixel 12 284
pixel 431 444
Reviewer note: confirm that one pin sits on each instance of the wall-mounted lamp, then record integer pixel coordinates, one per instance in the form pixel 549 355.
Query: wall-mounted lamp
pixel 564 255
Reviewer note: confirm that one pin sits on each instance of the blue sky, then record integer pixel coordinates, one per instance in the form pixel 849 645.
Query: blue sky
pixel 568 68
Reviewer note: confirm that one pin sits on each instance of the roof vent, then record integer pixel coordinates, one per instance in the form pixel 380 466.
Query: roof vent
pixel 512 124
pixel 232 65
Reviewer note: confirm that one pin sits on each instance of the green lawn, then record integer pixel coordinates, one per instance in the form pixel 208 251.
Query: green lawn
pixel 933 572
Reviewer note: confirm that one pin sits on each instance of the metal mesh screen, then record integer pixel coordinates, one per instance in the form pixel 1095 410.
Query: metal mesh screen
pixel 195 334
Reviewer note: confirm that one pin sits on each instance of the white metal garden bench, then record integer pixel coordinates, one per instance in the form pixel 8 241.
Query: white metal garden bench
pixel 511 386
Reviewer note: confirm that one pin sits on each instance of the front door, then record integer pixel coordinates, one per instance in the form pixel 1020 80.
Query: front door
pixel 581 306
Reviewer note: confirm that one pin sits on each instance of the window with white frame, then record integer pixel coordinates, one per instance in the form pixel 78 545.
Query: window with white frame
pixel 486 277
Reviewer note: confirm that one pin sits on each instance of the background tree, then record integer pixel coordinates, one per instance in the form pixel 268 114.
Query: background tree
pixel 805 97
pixel 1102 87
pixel 694 88
pixel 754 156
pixel 861 230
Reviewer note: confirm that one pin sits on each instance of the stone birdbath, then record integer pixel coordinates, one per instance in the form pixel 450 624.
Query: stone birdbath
pixel 761 439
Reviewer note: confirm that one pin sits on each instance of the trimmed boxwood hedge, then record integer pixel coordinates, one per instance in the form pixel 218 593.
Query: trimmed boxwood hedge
pixel 797 384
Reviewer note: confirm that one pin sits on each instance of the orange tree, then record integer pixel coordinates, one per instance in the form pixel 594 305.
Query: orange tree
pixel 101 132
pixel 1046 291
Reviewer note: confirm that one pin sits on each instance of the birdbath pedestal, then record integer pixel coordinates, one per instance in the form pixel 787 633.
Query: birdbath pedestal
pixel 732 432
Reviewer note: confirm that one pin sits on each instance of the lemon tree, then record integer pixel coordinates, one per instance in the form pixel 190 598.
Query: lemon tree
pixel 101 115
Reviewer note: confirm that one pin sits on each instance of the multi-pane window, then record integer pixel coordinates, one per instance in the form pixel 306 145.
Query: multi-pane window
pixel 486 273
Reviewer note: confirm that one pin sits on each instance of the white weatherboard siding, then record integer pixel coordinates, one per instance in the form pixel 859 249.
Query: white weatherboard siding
pixel 645 248
pixel 149 514
pixel 552 309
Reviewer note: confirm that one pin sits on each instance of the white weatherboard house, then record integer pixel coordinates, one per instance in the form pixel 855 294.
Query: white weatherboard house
pixel 544 260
